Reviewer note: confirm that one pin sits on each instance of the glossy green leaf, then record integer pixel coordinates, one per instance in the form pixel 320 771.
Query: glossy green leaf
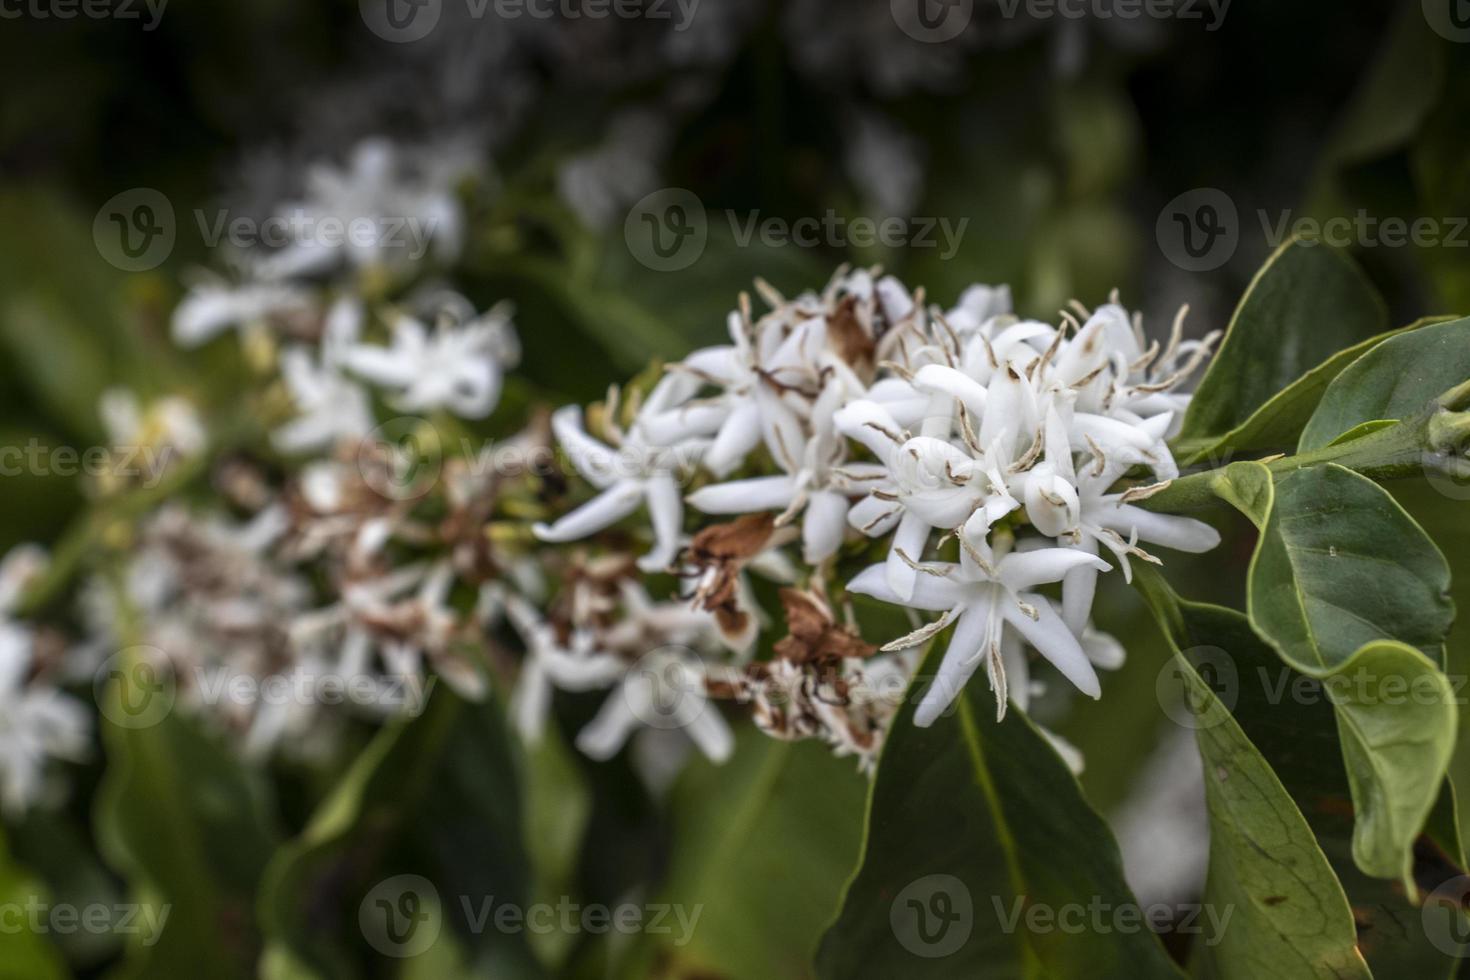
pixel 1340 565
pixel 1351 592
pixel 762 845
pixel 1291 721
pixel 1306 304
pixel 1278 424
pixel 1395 380
pixel 979 846
pixel 1290 917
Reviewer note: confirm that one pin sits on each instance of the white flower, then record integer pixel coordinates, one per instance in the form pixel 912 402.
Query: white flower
pixel 214 306
pixel 981 595
pixel 548 664
pixel 637 472
pixel 37 722
pixel 815 482
pixel 384 208
pixel 458 367
pixel 665 689
pixel 169 425
pixel 330 406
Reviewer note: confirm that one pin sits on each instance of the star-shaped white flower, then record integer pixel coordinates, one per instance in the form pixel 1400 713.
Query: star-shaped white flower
pixel 981 595
pixel 458 367
pixel 635 473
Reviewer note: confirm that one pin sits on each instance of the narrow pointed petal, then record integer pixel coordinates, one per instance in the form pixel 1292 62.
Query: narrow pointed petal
pixel 910 537
pixel 932 593
pixel 606 733
pixel 1051 638
pixel 1166 530
pixel 603 510
pixel 745 496
pixel 1024 570
pixel 960 661
pixel 739 434
pixel 666 510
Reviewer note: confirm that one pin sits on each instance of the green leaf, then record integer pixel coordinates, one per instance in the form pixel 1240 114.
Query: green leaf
pixel 1351 592
pixel 555 810
pixel 24 953
pixel 1340 565
pixel 1291 721
pixel 1279 422
pixel 432 796
pixel 1398 725
pixel 976 833
pixel 180 817
pixel 1305 305
pixel 762 845
pixel 1397 379
pixel 1290 918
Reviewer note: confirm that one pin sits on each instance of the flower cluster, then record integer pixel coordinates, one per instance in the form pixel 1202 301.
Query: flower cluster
pixel 973 433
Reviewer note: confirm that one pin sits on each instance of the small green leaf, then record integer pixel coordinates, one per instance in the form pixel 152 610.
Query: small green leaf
pixel 978 843
pixel 1397 720
pixel 1305 305
pixel 1395 380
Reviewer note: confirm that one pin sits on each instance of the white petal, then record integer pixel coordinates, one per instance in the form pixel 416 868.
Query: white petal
pixel 666 510
pixel 745 496
pixel 708 730
pixel 874 517
pixel 591 458
pixel 932 592
pixel 606 733
pixel 1051 638
pixel 739 434
pixel 1022 570
pixel 960 661
pixel 1079 586
pixel 822 526
pixel 1167 530
pixel 947 380
pixel 910 537
pixel 603 510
